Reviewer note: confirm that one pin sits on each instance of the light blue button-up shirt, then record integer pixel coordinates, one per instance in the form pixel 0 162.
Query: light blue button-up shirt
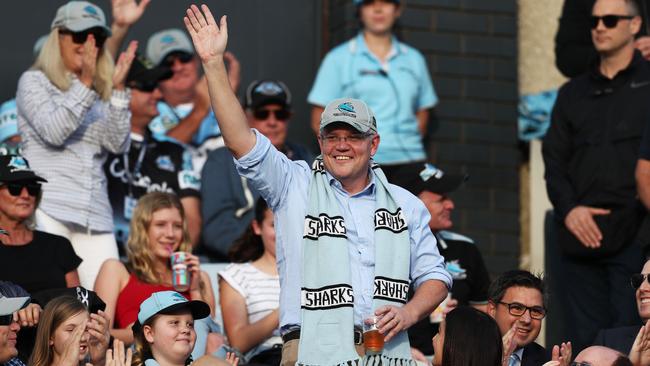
pixel 395 90
pixel 284 184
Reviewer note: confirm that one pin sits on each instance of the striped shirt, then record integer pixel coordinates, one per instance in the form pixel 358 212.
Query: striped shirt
pixel 66 138
pixel 262 294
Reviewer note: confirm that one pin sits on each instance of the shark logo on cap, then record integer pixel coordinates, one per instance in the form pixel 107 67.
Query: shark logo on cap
pixel 168 39
pixel 268 88
pixel 178 297
pixel 346 107
pixel 17 163
pixel 92 12
pixel 430 171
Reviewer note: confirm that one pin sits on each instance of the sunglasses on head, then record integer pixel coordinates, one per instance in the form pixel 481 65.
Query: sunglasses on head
pixel 15 189
pixel 637 279
pixel 6 319
pixel 280 114
pixel 610 21
pixel 182 57
pixel 80 37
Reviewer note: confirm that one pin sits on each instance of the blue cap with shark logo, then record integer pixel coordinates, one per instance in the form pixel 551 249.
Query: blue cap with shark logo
pixel 353 112
pixel 78 16
pixel 167 302
pixel 166 41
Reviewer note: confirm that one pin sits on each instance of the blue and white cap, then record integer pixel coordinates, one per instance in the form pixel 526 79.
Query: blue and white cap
pixel 8 120
pixel 165 302
pixel 353 112
pixel 79 16
pixel 166 41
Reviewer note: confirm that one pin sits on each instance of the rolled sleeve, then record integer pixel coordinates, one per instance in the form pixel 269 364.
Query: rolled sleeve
pixel 426 261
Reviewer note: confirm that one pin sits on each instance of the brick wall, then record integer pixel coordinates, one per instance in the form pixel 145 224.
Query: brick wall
pixel 470 47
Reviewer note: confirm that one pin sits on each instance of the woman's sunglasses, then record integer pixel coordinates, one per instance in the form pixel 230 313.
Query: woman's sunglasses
pixel 80 37
pixel 610 21
pixel 15 189
pixel 637 279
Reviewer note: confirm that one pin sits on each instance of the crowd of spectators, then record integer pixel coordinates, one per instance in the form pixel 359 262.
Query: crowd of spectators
pixel 116 164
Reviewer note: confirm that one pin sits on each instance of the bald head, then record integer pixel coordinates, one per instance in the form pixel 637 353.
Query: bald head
pixel 602 356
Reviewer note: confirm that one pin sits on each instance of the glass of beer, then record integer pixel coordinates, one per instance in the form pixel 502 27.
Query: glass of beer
pixel 373 341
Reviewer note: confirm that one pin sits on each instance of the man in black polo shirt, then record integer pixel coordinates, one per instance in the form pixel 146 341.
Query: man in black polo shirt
pixel 462 258
pixel 150 165
pixel 590 152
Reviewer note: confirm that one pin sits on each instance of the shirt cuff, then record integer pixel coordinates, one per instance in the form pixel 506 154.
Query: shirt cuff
pixel 257 153
pixel 120 98
pixel 84 94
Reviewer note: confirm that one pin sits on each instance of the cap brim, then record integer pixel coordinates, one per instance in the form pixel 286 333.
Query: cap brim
pixel 199 310
pixel 83 25
pixel 357 126
pixel 24 176
pixel 156 74
pixel 173 49
pixel 9 305
pixel 447 184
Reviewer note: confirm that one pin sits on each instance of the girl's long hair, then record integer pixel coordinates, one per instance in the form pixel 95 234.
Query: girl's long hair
pixel 140 258
pixel 249 246
pixel 472 338
pixel 56 312
pixel 50 62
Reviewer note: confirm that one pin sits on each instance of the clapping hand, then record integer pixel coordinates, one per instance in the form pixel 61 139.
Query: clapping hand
pixel 127 12
pixel 232 359
pixel 209 39
pixel 123 65
pixel 70 356
pixel 117 356
pixel 509 344
pixel 98 328
pixel 562 354
pixel 640 352
pixel 29 316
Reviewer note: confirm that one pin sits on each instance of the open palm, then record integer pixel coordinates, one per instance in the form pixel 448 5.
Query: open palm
pixel 209 39
pixel 127 12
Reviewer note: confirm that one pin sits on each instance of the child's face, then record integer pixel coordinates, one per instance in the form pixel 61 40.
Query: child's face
pixel 171 337
pixel 63 333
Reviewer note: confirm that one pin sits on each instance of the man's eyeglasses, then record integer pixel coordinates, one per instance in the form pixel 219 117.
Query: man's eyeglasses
pixel 517 309
pixel 15 189
pixel 280 114
pixel 637 279
pixel 182 57
pixel 610 21
pixel 80 37
pixel 352 138
pixel 6 319
pixel 578 363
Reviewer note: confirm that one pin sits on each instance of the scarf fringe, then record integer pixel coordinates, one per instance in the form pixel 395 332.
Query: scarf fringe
pixel 374 360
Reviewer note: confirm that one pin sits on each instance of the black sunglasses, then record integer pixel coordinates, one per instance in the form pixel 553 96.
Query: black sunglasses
pixel 6 319
pixel 637 279
pixel 182 57
pixel 280 114
pixel 610 21
pixel 80 37
pixel 15 189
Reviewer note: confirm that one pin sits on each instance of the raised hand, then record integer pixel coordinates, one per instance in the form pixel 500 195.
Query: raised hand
pixel 29 316
pixel 209 39
pixel 117 356
pixel 640 352
pixel 562 354
pixel 70 356
pixel 232 359
pixel 127 12
pixel 98 328
pixel 509 344
pixel 123 65
pixel 89 61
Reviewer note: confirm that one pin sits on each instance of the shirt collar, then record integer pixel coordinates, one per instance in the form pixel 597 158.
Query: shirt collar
pixel 360 45
pixel 595 73
pixel 367 191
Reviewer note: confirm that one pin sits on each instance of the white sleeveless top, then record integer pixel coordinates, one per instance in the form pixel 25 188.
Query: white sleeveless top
pixel 262 294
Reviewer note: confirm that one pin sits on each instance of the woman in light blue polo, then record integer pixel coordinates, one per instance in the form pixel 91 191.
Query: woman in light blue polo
pixel 390 76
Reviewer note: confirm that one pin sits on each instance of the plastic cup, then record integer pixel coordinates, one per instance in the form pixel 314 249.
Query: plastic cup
pixel 373 341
